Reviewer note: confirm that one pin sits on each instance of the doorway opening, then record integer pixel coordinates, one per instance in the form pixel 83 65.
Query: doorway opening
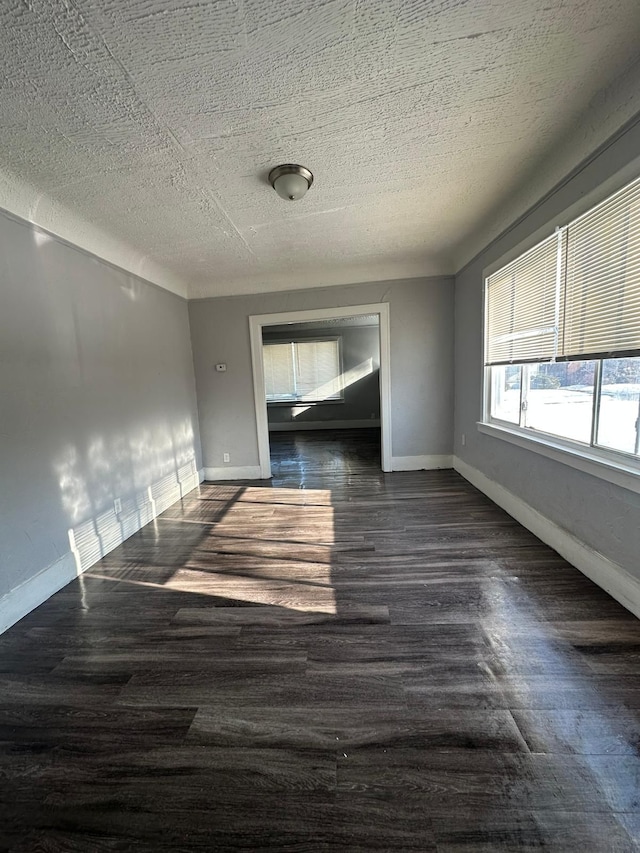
pixel 319 370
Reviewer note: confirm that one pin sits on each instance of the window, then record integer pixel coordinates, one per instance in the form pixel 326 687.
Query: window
pixel 303 371
pixel 562 333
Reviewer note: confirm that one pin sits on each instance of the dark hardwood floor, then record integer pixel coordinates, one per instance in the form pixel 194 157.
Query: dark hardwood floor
pixel 338 659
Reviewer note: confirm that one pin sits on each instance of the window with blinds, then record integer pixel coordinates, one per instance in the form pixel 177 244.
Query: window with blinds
pixel 522 306
pixel 576 295
pixel 562 332
pixel 600 293
pixel 303 371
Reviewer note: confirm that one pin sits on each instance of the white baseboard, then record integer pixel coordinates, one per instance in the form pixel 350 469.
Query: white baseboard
pixel 30 594
pixel 287 426
pixel 421 463
pixel 604 572
pixel 229 472
pixel 93 539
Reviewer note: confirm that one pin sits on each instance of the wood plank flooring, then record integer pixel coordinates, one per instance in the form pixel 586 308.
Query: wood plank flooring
pixel 337 659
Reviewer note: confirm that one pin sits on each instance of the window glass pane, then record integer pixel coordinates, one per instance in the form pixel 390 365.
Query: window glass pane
pixel 559 399
pixel 505 392
pixel 619 402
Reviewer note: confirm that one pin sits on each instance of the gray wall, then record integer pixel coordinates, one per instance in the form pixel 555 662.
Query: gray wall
pixel 361 399
pixel 601 515
pixel 421 318
pixel 97 401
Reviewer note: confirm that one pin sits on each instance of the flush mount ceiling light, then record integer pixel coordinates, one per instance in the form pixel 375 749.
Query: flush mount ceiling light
pixel 290 181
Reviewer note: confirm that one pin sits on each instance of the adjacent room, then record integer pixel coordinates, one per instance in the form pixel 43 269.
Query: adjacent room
pixel 320 425
pixel 322 387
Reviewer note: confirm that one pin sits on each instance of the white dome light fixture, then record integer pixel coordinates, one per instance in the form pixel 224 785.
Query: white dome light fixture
pixel 290 181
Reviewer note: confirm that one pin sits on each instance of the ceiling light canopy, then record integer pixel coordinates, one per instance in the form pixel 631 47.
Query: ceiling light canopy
pixel 290 181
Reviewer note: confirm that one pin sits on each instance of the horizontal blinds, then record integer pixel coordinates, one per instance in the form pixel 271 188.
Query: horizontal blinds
pixel 317 370
pixel 302 370
pixel 278 371
pixel 601 300
pixel 574 296
pixel 522 306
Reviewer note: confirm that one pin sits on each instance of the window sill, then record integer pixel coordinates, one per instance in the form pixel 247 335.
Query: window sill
pixel 625 475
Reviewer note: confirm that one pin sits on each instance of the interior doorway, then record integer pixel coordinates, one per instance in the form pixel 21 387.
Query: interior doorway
pixel 290 374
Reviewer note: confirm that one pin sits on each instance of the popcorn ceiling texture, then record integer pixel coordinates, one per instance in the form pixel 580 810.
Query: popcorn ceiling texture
pixel 144 129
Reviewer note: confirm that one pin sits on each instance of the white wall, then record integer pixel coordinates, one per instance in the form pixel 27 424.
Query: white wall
pixel 596 523
pixel 97 402
pixel 421 319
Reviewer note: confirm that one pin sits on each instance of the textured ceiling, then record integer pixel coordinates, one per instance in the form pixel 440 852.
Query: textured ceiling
pixel 157 121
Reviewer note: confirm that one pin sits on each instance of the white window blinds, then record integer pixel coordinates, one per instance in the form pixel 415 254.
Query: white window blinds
pixel 278 371
pixel 522 306
pixel 306 371
pixel 317 370
pixel 576 295
pixel 601 304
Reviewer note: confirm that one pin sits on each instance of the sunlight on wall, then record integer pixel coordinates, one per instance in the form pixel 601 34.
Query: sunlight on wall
pixel 99 472
pixel 146 471
pixel 344 380
pixel 73 488
pixel 132 288
pixel 41 239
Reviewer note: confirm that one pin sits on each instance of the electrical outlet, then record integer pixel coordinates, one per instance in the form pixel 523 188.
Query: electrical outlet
pixel 226 457
pixel 117 506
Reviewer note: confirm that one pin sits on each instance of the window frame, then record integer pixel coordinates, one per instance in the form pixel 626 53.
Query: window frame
pixel 298 400
pixel 614 466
